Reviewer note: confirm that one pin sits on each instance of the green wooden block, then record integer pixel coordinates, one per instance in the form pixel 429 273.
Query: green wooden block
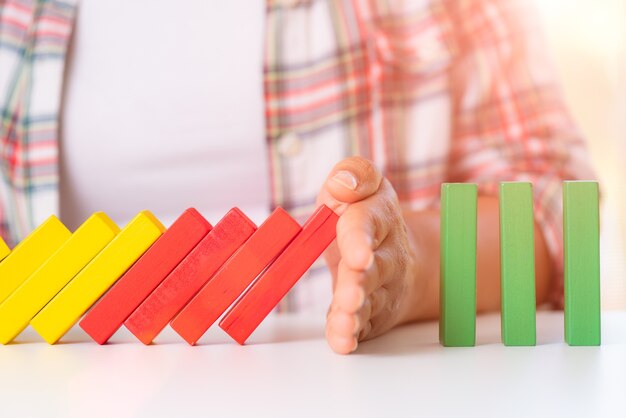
pixel 581 238
pixel 517 264
pixel 457 299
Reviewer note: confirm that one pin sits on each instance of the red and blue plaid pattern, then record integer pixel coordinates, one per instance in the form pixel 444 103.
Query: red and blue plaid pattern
pixel 431 90
pixel 33 42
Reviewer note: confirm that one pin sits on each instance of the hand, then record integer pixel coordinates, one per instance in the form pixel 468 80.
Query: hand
pixel 371 260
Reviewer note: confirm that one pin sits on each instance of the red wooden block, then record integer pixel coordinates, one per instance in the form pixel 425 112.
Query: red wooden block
pixel 260 298
pixel 191 274
pixel 144 276
pixel 235 276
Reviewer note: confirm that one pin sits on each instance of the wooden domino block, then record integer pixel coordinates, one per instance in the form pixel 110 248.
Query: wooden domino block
pixel 154 313
pixel 260 298
pixel 235 276
pixel 23 304
pixel 457 319
pixel 144 276
pixel 581 238
pixel 62 312
pixel 4 249
pixel 517 264
pixel 29 254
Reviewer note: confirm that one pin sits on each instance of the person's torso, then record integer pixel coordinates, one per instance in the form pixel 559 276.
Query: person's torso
pixel 163 110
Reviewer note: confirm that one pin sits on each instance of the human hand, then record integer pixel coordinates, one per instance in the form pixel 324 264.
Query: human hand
pixel 372 259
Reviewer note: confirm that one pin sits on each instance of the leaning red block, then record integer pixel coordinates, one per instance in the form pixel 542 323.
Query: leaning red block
pixel 154 313
pixel 259 300
pixel 235 276
pixel 108 315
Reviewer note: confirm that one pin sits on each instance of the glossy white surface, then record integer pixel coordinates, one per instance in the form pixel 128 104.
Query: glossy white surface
pixel 287 371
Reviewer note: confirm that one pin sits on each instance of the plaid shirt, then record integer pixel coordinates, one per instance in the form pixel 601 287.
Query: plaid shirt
pixel 431 90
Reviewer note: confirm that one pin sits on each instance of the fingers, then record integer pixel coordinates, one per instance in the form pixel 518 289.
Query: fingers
pixel 341 331
pixel 350 290
pixel 350 181
pixel 368 181
pixel 364 226
pixel 353 288
pixel 379 300
pixel 389 263
pixel 385 302
pixel 366 303
pixel 370 252
pixel 333 257
pixel 344 330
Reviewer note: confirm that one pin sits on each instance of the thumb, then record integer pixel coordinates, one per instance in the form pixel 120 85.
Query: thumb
pixel 351 180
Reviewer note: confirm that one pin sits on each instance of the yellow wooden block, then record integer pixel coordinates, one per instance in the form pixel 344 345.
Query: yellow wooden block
pixel 4 249
pixel 62 312
pixel 28 255
pixel 27 300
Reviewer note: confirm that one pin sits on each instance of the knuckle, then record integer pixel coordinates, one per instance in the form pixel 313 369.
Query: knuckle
pixel 389 208
pixel 390 193
pixel 380 225
pixel 379 264
pixel 367 327
pixel 386 305
pixel 401 259
pixel 392 262
pixel 375 303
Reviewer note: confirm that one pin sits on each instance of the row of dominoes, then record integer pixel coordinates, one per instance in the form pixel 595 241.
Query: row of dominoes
pixel 192 273
pixel 145 276
pixel 457 326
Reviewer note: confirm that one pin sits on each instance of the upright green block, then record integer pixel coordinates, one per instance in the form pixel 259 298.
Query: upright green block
pixel 517 264
pixel 581 238
pixel 457 303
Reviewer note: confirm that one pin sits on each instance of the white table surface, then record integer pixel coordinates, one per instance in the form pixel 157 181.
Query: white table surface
pixel 287 370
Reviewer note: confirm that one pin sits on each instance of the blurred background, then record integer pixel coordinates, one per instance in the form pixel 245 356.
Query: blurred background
pixel 587 39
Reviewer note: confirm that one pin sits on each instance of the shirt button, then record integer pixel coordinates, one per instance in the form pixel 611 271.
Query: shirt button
pixel 289 145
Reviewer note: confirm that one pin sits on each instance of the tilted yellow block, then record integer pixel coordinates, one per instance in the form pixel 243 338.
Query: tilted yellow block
pixel 62 312
pixel 4 249
pixel 28 255
pixel 27 300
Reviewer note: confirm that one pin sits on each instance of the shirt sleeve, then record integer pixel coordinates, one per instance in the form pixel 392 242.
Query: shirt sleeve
pixel 510 121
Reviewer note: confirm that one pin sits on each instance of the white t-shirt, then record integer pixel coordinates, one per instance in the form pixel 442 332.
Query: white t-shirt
pixel 163 110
